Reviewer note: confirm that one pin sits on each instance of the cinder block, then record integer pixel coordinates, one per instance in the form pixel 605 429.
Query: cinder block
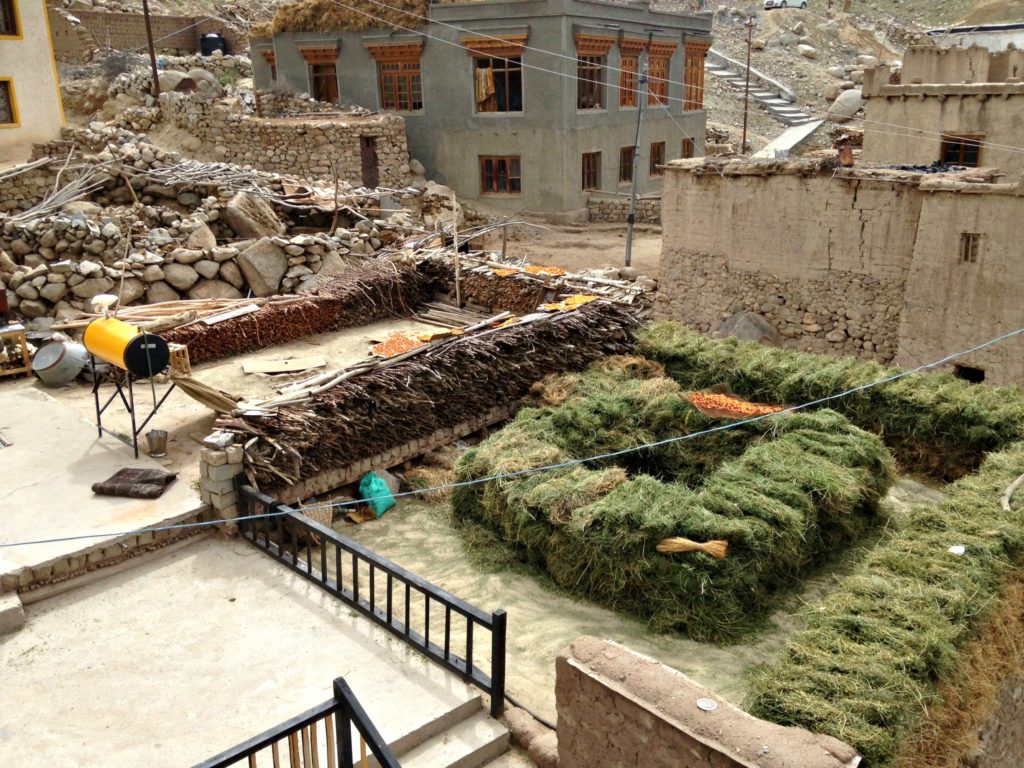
pixel 213 457
pixel 217 486
pixel 235 454
pixel 12 615
pixel 222 500
pixel 224 472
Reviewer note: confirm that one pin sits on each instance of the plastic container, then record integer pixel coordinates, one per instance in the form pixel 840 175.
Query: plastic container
pixel 59 362
pixel 141 354
pixel 211 42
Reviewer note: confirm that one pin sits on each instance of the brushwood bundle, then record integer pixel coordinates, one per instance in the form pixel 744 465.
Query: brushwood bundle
pixel 373 290
pixel 933 422
pixel 780 494
pixel 442 386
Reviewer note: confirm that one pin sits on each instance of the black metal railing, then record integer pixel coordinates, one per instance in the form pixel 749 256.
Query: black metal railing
pixel 435 622
pixel 319 736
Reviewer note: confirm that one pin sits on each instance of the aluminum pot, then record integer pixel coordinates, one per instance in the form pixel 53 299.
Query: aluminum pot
pixel 59 362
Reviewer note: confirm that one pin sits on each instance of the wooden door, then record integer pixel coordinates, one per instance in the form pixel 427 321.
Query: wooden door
pixel 368 161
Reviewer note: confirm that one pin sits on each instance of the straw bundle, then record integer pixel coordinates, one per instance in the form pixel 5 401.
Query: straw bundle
pixel 717 549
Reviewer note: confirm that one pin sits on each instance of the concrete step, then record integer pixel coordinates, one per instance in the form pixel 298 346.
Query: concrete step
pixel 514 758
pixel 405 734
pixel 469 744
pixel 775 101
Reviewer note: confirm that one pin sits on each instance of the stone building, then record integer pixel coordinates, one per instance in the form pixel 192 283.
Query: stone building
pixel 30 103
pixel 531 104
pixel 897 266
pixel 959 105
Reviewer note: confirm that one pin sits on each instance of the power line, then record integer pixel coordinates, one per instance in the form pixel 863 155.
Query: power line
pixel 560 465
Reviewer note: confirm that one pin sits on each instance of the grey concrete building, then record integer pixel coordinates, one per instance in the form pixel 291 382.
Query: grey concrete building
pixel 529 104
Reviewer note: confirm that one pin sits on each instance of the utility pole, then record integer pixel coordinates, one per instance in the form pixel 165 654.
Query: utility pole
pixel 152 51
pixel 746 88
pixel 631 218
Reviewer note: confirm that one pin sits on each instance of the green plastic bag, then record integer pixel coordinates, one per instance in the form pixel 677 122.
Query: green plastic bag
pixel 376 493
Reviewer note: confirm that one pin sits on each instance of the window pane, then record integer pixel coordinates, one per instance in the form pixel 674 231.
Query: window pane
pixel 6 103
pixel 8 25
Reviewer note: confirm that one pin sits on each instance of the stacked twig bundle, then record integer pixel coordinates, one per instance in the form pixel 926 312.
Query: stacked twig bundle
pixel 372 291
pixel 436 387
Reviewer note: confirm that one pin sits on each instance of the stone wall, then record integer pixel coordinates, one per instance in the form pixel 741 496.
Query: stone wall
pixel 824 260
pixel 303 147
pixel 615 209
pixel 618 708
pixel 176 34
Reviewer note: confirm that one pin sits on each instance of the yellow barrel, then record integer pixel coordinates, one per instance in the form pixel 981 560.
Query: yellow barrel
pixel 126 346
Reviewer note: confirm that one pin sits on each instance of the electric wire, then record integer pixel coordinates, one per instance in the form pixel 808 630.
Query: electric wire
pixel 545 468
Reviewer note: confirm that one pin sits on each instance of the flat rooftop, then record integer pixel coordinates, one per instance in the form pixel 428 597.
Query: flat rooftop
pixel 192 652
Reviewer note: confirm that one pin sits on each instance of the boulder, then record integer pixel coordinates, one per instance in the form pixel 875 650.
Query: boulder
pixel 207 268
pixel 201 238
pixel 214 289
pixel 131 291
pixel 846 106
pixel 865 61
pixel 807 51
pixel 27 291
pixel 53 292
pixel 263 264
pixel 30 308
pixel 82 208
pixel 160 292
pixel 152 274
pixel 92 286
pixel 171 80
pixel 251 216
pixel 416 168
pixel 180 276
pixel 230 272
pixel 186 255
pixel 749 326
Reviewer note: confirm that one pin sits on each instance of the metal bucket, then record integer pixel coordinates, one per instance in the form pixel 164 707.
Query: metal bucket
pixel 156 439
pixel 59 362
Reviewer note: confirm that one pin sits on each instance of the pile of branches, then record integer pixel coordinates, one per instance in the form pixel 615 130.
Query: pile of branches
pixel 371 291
pixel 774 497
pixel 439 389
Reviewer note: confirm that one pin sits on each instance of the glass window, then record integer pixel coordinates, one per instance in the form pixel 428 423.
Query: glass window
pixel 9 18
pixel 961 150
pixel 591 170
pixel 628 80
pixel 401 85
pixel 499 84
pixel 657 158
pixel 500 175
pixel 590 82
pixel 6 103
pixel 625 165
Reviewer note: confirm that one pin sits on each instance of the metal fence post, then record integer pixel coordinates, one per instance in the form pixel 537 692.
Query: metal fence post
pixel 499 625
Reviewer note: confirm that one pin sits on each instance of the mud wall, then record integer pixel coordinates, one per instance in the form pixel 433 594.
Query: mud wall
pixel 619 708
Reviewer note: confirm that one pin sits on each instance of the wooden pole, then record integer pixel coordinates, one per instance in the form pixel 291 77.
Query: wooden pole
pixel 746 88
pixel 504 241
pixel 152 50
pixel 458 257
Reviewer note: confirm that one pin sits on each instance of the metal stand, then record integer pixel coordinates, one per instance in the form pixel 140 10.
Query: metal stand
pixel 129 405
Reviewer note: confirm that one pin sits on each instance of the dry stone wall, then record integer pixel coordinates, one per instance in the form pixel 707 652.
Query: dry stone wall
pixel 616 209
pixel 303 147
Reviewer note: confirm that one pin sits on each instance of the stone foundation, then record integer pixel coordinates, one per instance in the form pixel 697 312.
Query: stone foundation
pixel 616 209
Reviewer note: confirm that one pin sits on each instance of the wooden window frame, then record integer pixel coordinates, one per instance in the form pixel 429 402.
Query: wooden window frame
pixel 626 164
pixel 399 76
pixel 495 161
pixel 12 99
pixel 314 76
pixel 970 247
pixel 629 71
pixel 16 31
pixel 659 65
pixel 591 65
pixel 590 82
pixel 503 69
pixel 507 49
pixel 590 178
pixel 961 142
pixel 687 149
pixel 657 159
pixel 271 58
pixel 693 75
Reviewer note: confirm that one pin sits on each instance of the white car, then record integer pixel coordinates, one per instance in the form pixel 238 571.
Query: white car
pixel 769 4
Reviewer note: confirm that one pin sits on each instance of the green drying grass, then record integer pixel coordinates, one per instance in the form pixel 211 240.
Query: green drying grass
pixel 783 492
pixel 933 422
pixel 868 665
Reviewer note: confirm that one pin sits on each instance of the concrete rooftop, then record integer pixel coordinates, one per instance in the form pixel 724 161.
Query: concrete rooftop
pixel 194 651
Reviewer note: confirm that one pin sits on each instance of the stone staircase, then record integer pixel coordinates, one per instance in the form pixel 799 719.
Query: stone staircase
pixel 776 103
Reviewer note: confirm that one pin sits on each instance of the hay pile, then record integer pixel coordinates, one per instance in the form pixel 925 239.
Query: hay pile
pixel 782 493
pixel 328 16
pixel 933 422
pixel 438 389
pixel 866 668
pixel 374 290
